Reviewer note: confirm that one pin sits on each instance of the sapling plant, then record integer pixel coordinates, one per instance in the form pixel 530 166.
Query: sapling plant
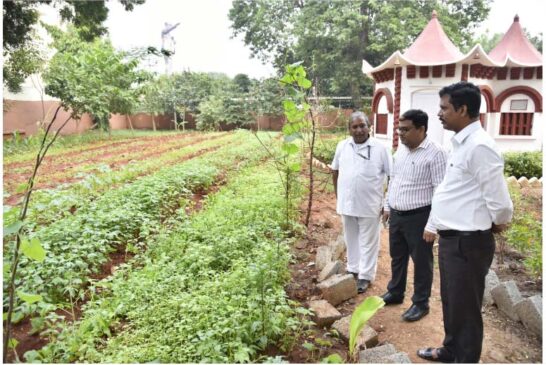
pixel 300 126
pixel 29 247
pixel 362 314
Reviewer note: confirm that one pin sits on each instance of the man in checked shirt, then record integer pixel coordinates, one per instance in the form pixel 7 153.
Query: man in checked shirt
pixel 419 167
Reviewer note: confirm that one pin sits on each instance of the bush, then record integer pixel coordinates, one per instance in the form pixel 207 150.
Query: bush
pixel 326 149
pixel 528 164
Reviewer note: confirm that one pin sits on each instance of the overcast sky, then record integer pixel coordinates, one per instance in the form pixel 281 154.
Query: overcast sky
pixel 203 38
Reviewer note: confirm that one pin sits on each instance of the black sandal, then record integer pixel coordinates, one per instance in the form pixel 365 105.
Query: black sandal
pixel 441 355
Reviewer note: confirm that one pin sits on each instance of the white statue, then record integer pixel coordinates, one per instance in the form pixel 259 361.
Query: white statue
pixel 168 44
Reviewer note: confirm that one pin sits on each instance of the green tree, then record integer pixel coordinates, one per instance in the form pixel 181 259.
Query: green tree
pixel 91 77
pixel 490 41
pixel 21 44
pixel 243 82
pixel 333 37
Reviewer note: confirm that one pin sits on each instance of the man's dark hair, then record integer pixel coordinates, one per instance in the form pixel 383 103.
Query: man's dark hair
pixel 418 117
pixel 464 93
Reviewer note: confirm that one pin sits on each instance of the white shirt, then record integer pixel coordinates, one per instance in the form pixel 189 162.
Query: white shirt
pixel 362 171
pixel 415 175
pixel 473 194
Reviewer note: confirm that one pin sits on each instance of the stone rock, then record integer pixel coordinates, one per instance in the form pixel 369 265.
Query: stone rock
pixel 506 296
pixel 529 311
pixel 325 313
pixel 329 270
pixel 491 281
pixel 338 288
pixel 300 245
pixel 534 182
pixel 338 248
pixel 523 182
pixel 376 354
pixel 323 256
pixel 512 181
pixel 367 338
pixel 398 358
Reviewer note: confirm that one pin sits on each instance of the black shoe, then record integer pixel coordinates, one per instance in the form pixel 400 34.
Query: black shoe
pixel 440 354
pixel 362 285
pixel 354 274
pixel 389 298
pixel 415 313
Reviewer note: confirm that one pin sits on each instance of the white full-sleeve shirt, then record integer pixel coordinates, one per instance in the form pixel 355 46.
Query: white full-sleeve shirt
pixel 474 193
pixel 363 169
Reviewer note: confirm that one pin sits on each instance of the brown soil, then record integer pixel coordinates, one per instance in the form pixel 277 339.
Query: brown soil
pixel 52 175
pixel 505 341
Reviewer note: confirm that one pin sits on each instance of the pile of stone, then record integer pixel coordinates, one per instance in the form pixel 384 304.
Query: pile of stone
pixel 523 182
pixel 508 299
pixel 336 288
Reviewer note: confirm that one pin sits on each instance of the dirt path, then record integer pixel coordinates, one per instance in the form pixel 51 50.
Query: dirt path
pixel 505 341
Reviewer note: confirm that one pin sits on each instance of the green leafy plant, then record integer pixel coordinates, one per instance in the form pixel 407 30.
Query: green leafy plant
pixel 360 317
pixel 518 164
pixel 332 359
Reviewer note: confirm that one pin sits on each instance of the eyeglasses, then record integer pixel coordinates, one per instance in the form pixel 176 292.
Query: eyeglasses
pixel 403 130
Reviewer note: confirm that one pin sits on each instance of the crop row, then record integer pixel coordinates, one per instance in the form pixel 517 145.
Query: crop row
pixel 71 167
pixel 77 245
pixel 114 151
pixel 54 204
pixel 209 291
pixel 26 149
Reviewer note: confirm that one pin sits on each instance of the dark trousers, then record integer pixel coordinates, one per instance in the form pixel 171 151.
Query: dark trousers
pixel 464 263
pixel 405 241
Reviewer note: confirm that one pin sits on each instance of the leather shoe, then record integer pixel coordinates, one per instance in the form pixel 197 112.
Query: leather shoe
pixel 389 298
pixel 362 285
pixel 415 313
pixel 439 354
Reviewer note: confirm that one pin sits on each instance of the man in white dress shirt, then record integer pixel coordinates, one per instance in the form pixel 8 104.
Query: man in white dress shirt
pixel 471 204
pixel 360 167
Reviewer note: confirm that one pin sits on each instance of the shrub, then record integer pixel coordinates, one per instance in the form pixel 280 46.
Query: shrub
pixel 528 164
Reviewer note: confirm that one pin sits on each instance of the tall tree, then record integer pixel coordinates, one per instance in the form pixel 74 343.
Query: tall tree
pixel 91 77
pixel 22 57
pixel 333 37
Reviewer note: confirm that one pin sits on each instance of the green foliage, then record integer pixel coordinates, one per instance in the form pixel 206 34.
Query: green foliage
pixel 209 291
pixel 91 77
pixel 518 164
pixel 361 315
pixel 333 37
pixel 326 148
pixel 332 359
pixel 77 245
pixel 22 53
pixel 266 97
pixel 525 232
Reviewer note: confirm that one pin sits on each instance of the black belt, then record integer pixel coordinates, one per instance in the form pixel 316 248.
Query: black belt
pixel 410 212
pixel 453 233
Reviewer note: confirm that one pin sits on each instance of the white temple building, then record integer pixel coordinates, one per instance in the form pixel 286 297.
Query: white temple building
pixel 510 79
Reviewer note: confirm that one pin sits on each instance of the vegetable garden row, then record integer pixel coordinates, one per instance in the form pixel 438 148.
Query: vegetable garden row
pixel 197 285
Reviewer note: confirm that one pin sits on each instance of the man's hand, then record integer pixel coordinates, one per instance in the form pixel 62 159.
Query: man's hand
pixel 429 237
pixel 385 217
pixel 497 228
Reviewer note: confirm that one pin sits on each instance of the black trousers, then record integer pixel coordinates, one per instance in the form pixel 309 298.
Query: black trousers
pixel 405 241
pixel 464 263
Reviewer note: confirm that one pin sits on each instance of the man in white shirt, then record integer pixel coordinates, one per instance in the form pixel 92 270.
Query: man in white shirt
pixel 360 166
pixel 470 204
pixel 419 167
